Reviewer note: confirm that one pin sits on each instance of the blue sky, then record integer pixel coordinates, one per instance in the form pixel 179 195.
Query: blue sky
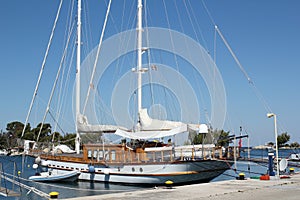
pixel 263 34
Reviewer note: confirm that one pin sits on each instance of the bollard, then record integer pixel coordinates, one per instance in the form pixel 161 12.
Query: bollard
pixel 53 195
pixel 169 184
pixel 241 176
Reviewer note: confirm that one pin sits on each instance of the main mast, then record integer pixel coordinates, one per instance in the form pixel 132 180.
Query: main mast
pixel 139 69
pixel 78 61
pixel 139 54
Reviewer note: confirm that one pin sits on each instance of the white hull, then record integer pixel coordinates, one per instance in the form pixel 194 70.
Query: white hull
pixel 182 172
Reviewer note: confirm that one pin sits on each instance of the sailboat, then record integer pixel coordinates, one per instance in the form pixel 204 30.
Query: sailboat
pixel 141 157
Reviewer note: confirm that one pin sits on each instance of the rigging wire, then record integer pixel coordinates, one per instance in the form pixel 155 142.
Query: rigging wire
pixel 173 46
pixel 68 29
pixel 54 86
pixel 63 88
pixel 97 56
pixel 43 66
pixel 191 15
pixel 149 55
pixel 250 81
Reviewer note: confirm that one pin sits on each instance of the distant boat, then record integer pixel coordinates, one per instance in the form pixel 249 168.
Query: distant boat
pixel 56 176
pixel 3 152
pixel 294 157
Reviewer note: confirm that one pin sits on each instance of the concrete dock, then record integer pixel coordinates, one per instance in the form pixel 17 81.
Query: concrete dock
pixel 247 189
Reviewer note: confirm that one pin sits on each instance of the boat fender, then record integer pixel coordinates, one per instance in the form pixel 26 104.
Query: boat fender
pixel 292 170
pixel 37 160
pixel 106 171
pixel 35 166
pixel 91 169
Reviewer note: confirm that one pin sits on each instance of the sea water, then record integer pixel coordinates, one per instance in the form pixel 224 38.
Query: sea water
pixel 13 164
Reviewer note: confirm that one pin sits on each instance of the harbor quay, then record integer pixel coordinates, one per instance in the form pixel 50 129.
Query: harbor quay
pixel 247 189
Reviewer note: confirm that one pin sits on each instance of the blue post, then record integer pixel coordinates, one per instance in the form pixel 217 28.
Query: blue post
pixel 271 164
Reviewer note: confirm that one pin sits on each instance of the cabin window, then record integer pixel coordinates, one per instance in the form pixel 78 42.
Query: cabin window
pixel 100 154
pixel 106 155
pixel 89 153
pixel 113 155
pixel 95 154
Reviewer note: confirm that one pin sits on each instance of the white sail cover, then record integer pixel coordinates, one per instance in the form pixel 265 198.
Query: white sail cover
pixel 84 127
pixel 148 123
pixel 151 134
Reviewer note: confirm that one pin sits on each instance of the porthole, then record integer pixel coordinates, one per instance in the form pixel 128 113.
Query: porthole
pixel 133 169
pixel 141 169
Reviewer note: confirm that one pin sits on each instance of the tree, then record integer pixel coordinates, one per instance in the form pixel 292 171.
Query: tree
pixel 282 139
pixel 295 145
pixel 69 139
pixel 198 139
pixel 14 130
pixel 223 138
pixel 3 140
pixel 270 144
pixel 45 132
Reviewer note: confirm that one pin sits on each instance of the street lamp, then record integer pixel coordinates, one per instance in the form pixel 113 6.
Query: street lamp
pixel 269 115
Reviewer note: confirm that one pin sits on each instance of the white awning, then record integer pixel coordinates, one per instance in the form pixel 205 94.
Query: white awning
pixel 151 134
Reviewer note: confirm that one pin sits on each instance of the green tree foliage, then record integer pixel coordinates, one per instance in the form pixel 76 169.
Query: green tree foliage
pixel 14 130
pixel 69 139
pixel 282 139
pixel 223 138
pixel 198 139
pixel 3 140
pixel 270 144
pixel 217 137
pixel 9 139
pixel 295 145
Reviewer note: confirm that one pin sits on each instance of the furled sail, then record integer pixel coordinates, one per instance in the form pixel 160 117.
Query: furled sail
pixel 147 123
pixel 154 128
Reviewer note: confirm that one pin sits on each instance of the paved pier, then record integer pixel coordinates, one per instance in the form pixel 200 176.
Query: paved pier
pixel 248 189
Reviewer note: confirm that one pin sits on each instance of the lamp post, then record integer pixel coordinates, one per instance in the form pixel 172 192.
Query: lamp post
pixel 269 115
